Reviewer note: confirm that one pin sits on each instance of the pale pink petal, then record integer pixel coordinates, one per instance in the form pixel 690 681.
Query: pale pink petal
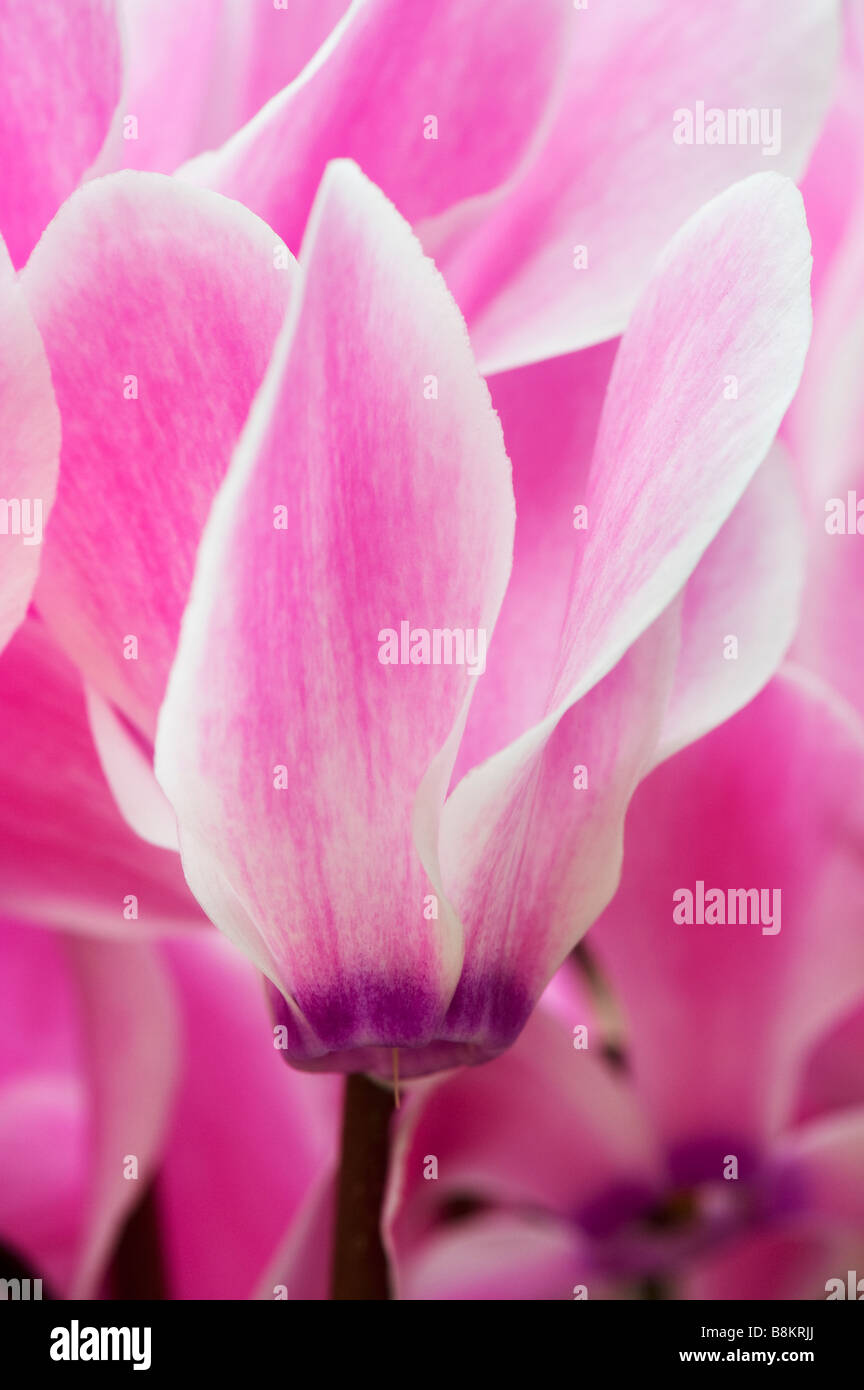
pixel 728 301
pixel 356 501
pixel 195 72
pixel 745 590
pixel 29 449
pixel 127 762
pixel 249 1137
pixel 770 801
pixel 60 73
pixel 131 1060
pixel 67 857
pixel 485 75
pixel 504 1138
pixel 499 1256
pixel 549 413
pixel 610 176
pixel 531 841
pixel 530 857
pixel 158 305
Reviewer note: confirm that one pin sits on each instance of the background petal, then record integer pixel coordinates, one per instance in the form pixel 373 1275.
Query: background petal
pixel 158 305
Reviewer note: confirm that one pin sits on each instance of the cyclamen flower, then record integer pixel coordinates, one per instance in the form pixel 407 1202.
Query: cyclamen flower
pixel 385 917
pixel 725 1161
pixel 390 505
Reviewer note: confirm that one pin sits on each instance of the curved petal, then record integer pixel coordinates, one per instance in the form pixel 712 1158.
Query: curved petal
pixel 446 63
pixel 67 857
pixel 131 1057
pixel 528 864
pixel 832 1078
pixel 195 72
pixel 87 1081
pixel 159 306
pixel 549 413
pixel 60 74
pixel 30 432
pixel 741 607
pixel 556 259
pixel 498 1257
pixel 267 1131
pixel 771 801
pixel 357 502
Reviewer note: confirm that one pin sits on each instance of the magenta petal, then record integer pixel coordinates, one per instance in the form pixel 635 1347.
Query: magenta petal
pixel 88 1065
pixel 30 432
pixel 67 857
pixel 159 306
pixel 448 63
pixel 241 1106
pixel 295 759
pixel 789 1262
pixel 772 801
pixel 60 73
pixel 196 71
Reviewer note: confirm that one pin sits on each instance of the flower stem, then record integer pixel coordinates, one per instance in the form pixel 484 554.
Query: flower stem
pixel 359 1269
pixel 137 1269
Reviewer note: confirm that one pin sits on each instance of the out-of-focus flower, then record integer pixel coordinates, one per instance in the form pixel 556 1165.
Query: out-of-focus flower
pixel 136 1064
pixel 723 1163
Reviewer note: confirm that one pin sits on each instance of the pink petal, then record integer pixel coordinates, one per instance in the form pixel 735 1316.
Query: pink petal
pixel 832 1077
pixel 531 841
pixel 197 71
pixel 747 586
pixel 504 1135
pixel 60 77
pixel 498 1256
pixel 398 507
pixel 43 1096
pixel 728 300
pixel 609 175
pixel 450 61
pixel 549 413
pixel 791 1262
pixel 240 1105
pixel 771 800
pixel 824 1164
pixel 131 1059
pixel 30 429
pixel 142 277
pixel 67 858
pixel 87 1077
pixel 530 858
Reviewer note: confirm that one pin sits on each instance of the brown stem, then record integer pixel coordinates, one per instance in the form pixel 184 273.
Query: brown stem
pixel 359 1270
pixel 608 1012
pixel 137 1269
